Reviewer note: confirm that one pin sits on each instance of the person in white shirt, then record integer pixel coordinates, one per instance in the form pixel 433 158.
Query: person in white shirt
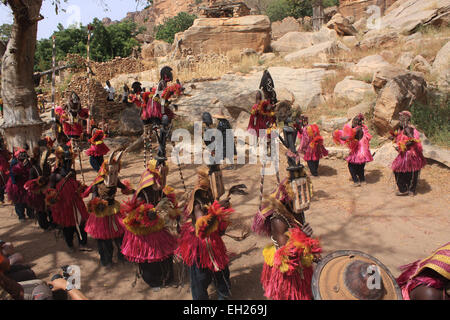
pixel 110 91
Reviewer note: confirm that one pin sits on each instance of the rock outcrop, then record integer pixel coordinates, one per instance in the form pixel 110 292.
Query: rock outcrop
pixel 280 28
pixel 320 51
pixel 407 15
pixel 370 65
pixel 358 8
pixel 341 25
pixel 441 67
pixel 396 96
pixel 353 90
pixel 295 41
pixel 222 35
pixel 155 49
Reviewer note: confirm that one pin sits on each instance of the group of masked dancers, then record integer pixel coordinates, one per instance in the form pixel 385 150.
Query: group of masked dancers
pixel 152 229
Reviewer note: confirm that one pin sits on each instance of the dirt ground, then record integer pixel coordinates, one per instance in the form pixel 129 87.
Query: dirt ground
pixel 396 230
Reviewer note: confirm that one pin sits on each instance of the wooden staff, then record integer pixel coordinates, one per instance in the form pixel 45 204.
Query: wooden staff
pixel 179 169
pixel 88 69
pixel 53 79
pixel 261 185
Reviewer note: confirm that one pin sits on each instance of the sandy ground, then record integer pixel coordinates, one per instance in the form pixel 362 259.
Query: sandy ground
pixel 396 230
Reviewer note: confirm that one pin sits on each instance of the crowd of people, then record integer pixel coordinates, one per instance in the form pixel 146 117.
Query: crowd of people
pixel 151 228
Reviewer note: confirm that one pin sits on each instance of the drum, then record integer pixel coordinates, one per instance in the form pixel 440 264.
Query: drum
pixel 353 275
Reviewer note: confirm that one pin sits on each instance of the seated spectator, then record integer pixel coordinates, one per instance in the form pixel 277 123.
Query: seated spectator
pixel 57 289
pixel 16 269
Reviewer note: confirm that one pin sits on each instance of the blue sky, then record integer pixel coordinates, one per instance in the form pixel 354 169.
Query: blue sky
pixel 76 10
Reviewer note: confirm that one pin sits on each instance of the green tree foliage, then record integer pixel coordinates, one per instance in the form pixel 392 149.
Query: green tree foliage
pixel 5 32
pixel 279 9
pixel 116 40
pixel 170 27
pixel 433 118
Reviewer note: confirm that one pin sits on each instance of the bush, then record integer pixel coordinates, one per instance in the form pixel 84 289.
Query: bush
pixel 433 119
pixel 279 9
pixel 170 27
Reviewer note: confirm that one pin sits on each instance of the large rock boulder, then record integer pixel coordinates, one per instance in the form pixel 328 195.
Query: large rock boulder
pixel 435 153
pixel 370 65
pixel 363 108
pixel 396 96
pixel 341 25
pixel 320 51
pixel 405 59
pixel 420 64
pixel 353 90
pixel 155 49
pixel 130 122
pixel 236 93
pixel 384 75
pixel 407 15
pixel 359 8
pixel 226 34
pixel 385 155
pixel 379 39
pixel 280 28
pixel 330 125
pixel 441 67
pixel 294 41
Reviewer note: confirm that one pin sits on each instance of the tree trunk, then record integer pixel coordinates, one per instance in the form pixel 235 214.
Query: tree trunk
pixel 22 123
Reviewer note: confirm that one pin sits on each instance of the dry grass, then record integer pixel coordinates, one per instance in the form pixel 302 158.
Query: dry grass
pixel 329 83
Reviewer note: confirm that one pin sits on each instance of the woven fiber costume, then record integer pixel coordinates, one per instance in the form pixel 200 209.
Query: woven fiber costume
pixel 427 279
pixel 149 239
pixel 410 159
pixel 64 198
pixel 200 245
pixel 18 175
pixel 104 211
pixel 97 150
pixel 37 184
pixel 312 146
pixel 262 114
pixel 72 117
pixel 357 139
pixel 5 157
pixel 287 269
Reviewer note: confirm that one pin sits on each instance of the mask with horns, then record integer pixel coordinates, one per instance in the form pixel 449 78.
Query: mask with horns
pixel 111 168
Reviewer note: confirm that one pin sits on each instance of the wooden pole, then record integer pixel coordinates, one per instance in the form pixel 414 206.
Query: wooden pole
pixel 88 59
pixel 53 77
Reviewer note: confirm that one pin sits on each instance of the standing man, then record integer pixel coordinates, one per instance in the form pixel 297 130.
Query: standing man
pixel 410 159
pixel 104 211
pixel 65 201
pixel 223 126
pixel 357 139
pixel 110 90
pixel 19 174
pixel 312 145
pixel 5 156
pixel 200 245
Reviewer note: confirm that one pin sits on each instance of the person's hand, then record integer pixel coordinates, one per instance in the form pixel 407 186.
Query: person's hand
pixel 58 284
pixel 225 203
pixel 8 249
pixel 317 257
pixel 307 229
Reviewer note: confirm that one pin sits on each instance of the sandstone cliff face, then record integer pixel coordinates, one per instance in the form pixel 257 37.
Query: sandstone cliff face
pixel 226 34
pixel 357 8
pixel 160 11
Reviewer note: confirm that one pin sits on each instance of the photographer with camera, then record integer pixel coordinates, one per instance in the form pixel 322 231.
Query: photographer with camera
pixel 60 287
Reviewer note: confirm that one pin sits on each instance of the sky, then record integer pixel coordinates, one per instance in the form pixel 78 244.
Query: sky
pixel 83 11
